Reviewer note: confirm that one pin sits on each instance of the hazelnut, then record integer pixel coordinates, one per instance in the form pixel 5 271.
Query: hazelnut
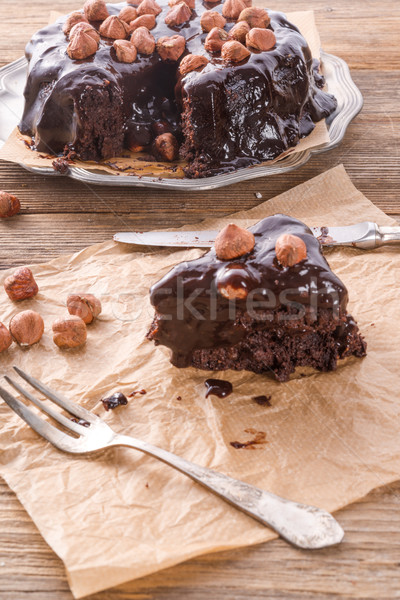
pixel 5 338
pixel 84 41
pixel 233 282
pixel 210 19
pixel 171 48
pixel 255 17
pixel 165 147
pixel 85 306
pixel 9 205
pixel 215 39
pixel 125 51
pixel 234 51
pixel 69 332
pixel 95 10
pixel 192 62
pixel 233 241
pixel 178 14
pixel 73 19
pixel 21 285
pixel 81 46
pixel 114 28
pixel 148 21
pixel 239 31
pixel 191 3
pixel 232 8
pixel 85 28
pixel 260 39
pixel 290 250
pixel 128 14
pixel 27 327
pixel 143 41
pixel 148 7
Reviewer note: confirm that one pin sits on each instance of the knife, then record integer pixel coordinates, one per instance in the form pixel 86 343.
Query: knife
pixel 364 235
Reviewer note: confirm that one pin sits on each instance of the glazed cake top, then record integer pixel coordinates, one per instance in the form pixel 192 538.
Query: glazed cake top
pixel 147 85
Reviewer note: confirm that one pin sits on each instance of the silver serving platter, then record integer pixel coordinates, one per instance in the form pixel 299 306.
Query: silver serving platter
pixel 340 84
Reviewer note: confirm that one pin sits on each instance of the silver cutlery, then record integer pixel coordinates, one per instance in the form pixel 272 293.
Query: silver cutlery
pixel 304 526
pixel 364 235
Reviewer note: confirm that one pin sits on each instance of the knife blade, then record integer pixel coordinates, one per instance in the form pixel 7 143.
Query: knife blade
pixel 364 235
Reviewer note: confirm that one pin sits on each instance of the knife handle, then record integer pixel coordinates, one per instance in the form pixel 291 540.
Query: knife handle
pixel 387 235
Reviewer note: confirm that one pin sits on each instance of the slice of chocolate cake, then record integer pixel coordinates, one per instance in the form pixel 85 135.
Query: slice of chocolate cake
pixel 263 299
pixel 223 84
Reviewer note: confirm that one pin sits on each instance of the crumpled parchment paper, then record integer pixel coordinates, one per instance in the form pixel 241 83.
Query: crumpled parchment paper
pixel 330 437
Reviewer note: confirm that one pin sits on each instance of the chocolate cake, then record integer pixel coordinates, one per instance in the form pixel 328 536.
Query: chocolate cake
pixel 224 84
pixel 263 300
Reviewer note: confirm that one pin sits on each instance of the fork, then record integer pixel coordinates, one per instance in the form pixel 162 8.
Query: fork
pixel 303 526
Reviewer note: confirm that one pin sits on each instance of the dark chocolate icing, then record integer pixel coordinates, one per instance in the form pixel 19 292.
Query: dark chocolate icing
pixel 234 115
pixel 191 314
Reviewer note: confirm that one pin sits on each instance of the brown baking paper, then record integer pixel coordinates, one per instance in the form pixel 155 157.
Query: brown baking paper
pixel 330 437
pixel 16 149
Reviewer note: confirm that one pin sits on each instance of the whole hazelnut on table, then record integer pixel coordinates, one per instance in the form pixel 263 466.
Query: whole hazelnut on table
pixel 9 205
pixel 290 250
pixel 5 338
pixel 21 285
pixel 27 328
pixel 233 241
pixel 73 19
pixel 95 10
pixel 69 332
pixel 85 306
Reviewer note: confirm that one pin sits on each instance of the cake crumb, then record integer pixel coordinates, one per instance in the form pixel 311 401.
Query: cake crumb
pixel 258 195
pixel 262 400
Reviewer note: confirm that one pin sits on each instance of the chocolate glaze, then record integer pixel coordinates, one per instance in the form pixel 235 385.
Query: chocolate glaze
pixel 233 115
pixel 218 387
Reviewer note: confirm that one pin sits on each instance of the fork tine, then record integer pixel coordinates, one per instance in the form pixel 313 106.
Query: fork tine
pixel 71 407
pixel 49 432
pixel 67 423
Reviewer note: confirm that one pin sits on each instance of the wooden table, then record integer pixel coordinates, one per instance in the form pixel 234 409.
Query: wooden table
pixel 61 216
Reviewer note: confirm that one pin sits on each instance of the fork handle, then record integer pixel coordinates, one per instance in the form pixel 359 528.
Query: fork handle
pixel 304 526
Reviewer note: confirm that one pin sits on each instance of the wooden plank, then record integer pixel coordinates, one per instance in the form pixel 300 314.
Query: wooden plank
pixel 365 565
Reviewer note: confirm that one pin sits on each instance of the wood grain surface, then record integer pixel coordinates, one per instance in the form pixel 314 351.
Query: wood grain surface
pixel 59 216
